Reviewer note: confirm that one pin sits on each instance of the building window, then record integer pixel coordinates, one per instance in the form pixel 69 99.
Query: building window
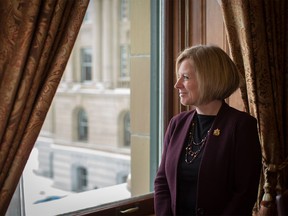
pixel 80 179
pixel 124 61
pixel 87 17
pixel 82 125
pixel 86 64
pixel 122 177
pixel 124 9
pixel 127 131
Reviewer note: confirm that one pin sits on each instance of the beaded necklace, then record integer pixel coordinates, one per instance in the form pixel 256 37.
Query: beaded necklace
pixel 190 154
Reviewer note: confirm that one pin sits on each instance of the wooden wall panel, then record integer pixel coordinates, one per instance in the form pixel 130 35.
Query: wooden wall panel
pixel 215 30
pixel 188 23
pixel 197 21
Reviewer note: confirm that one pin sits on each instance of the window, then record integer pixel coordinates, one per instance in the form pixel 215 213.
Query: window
pixel 122 177
pixel 124 9
pixel 88 130
pixel 87 17
pixel 86 64
pixel 80 179
pixel 102 166
pixel 124 44
pixel 124 61
pixel 127 132
pixel 82 125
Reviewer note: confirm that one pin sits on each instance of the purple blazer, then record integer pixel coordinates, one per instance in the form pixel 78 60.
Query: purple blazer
pixel 229 171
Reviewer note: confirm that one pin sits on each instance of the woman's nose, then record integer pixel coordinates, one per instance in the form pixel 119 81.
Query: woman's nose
pixel 177 84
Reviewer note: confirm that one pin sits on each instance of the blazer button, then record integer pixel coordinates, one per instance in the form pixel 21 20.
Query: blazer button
pixel 200 211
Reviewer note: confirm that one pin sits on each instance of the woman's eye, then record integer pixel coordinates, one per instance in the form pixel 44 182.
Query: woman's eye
pixel 185 77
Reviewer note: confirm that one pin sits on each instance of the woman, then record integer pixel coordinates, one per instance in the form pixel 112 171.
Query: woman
pixel 211 160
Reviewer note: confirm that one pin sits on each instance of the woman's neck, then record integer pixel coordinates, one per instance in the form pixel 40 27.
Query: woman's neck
pixel 210 108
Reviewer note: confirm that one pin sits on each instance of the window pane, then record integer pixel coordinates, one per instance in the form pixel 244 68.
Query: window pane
pixel 127 129
pixel 86 64
pixel 124 55
pixel 124 9
pixel 95 139
pixel 82 125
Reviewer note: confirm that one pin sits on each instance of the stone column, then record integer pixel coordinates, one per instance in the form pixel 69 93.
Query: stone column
pixel 107 43
pixel 96 15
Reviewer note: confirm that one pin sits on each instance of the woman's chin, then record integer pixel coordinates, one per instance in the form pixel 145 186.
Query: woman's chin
pixel 184 102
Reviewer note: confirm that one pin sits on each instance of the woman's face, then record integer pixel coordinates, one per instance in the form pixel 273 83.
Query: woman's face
pixel 186 83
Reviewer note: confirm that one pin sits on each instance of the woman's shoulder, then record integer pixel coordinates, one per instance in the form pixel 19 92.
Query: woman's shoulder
pixel 184 114
pixel 180 120
pixel 239 114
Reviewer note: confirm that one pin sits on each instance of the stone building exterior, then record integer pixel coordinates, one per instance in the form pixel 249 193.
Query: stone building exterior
pixel 85 140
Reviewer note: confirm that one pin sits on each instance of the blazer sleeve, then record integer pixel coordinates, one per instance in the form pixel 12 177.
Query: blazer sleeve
pixel 247 168
pixel 162 198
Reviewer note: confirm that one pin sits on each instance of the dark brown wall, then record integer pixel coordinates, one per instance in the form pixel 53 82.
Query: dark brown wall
pixel 187 23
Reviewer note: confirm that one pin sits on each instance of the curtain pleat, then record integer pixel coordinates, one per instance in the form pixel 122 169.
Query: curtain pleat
pixel 36 39
pixel 256 33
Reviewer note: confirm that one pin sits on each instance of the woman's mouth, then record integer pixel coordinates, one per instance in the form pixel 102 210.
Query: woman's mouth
pixel 181 94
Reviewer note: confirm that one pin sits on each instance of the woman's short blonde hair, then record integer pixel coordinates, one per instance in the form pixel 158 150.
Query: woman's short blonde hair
pixel 216 73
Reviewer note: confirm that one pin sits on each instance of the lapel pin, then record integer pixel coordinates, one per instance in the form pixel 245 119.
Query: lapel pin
pixel 216 132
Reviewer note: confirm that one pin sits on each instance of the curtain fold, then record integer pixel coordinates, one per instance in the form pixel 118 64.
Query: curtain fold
pixel 36 39
pixel 257 33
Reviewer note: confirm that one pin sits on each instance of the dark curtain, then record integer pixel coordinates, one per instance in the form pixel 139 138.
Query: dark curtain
pixel 257 36
pixel 36 39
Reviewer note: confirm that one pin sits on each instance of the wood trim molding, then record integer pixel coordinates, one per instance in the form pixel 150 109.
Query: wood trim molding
pixel 141 205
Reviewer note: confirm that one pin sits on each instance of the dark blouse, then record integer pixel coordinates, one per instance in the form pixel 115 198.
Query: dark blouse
pixel 187 176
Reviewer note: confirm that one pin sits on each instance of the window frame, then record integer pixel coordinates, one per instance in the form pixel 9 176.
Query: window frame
pixel 177 27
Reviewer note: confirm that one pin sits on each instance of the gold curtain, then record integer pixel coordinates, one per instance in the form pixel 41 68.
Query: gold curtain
pixel 257 36
pixel 36 39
